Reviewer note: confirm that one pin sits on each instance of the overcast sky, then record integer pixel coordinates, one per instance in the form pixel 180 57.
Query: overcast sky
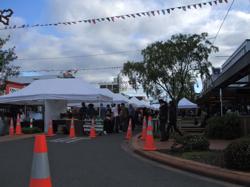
pixel 123 35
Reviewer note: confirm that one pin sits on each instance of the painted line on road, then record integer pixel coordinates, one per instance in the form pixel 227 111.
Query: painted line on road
pixel 61 139
pixel 76 140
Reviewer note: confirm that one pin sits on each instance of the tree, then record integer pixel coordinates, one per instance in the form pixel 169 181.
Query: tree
pixel 172 67
pixel 6 57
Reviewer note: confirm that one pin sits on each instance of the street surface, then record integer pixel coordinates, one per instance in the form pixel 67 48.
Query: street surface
pixel 105 161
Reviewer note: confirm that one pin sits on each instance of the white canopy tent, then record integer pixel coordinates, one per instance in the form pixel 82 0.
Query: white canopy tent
pixel 186 104
pixel 54 95
pixel 139 103
pixel 117 97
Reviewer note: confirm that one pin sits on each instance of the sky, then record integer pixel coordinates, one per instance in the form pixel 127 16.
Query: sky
pixel 91 41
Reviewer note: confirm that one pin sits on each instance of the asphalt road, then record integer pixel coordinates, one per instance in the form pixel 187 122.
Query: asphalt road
pixel 103 162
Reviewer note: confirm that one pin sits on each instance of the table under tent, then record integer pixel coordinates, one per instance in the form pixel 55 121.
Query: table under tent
pixel 54 94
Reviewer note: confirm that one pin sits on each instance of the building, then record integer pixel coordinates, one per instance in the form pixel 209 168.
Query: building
pixel 229 87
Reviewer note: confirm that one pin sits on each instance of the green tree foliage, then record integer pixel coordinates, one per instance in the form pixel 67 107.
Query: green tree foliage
pixel 173 66
pixel 6 57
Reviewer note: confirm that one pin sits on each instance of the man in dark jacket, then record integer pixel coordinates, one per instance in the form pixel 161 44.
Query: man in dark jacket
pixel 172 119
pixel 163 117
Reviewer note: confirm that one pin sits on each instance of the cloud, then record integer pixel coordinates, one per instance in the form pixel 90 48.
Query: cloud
pixel 124 35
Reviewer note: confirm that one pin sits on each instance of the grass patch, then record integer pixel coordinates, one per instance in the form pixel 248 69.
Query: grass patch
pixel 207 157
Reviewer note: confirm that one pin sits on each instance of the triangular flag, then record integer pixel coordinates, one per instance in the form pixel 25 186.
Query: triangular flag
pixel 132 15
pixel 226 1
pixel 85 21
pixel 179 7
pixel 184 8
pixel 163 11
pixel 220 1
pixel 93 20
pixel 108 19
pixel 55 24
pixel 168 10
pixel 98 19
pixel 118 17
pixel 123 17
pixel 148 13
pixel 112 18
pixel 204 3
pixel 89 21
pixel 80 21
pixel 73 22
pixel 143 13
pixel 210 3
pixel 128 16
pixel 158 11
pixel 172 9
pixel 138 14
pixel 200 5
pixel 153 13
pixel 103 19
pixel 194 6
pixel 189 6
pixel 215 2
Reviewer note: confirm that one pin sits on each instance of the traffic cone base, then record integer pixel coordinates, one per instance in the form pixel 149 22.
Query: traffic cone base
pixel 72 130
pixel 40 182
pixel 92 133
pixel 129 131
pixel 11 129
pixel 149 144
pixel 18 126
pixel 40 174
pixel 50 131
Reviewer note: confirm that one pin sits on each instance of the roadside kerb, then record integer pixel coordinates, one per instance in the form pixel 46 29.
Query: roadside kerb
pixel 8 138
pixel 237 177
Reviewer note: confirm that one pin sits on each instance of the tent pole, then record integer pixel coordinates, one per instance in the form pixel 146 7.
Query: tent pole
pixel 221 103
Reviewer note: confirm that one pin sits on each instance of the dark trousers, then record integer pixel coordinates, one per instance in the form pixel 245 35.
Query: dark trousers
pixel 116 124
pixel 173 126
pixel 163 129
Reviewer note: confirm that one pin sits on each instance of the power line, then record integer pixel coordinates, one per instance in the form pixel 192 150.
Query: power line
pixel 80 56
pixel 223 21
pixel 74 69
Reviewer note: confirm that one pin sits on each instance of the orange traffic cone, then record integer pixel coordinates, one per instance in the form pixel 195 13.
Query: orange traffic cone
pixel 11 129
pixel 149 144
pixel 50 130
pixel 144 129
pixel 92 133
pixel 129 131
pixel 18 126
pixel 31 123
pixel 40 174
pixel 72 133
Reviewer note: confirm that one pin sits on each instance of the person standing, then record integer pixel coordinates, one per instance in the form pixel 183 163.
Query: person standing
pixel 172 120
pixel 131 113
pixel 163 117
pixel 124 117
pixel 115 118
pixel 83 111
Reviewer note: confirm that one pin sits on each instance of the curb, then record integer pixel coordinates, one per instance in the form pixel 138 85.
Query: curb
pixel 8 138
pixel 236 177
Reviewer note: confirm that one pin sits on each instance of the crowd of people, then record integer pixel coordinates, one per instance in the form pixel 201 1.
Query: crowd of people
pixel 115 116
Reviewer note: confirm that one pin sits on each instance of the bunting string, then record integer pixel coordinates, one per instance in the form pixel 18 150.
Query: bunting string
pixel 122 17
